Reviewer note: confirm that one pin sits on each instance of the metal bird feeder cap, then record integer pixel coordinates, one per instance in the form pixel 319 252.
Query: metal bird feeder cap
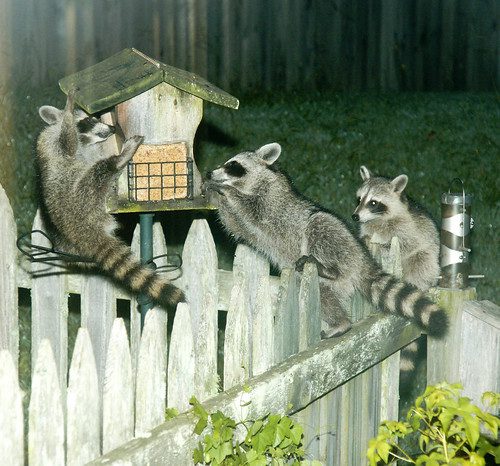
pixel 456 223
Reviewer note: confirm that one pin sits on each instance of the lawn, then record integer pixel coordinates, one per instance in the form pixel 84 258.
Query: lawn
pixel 432 137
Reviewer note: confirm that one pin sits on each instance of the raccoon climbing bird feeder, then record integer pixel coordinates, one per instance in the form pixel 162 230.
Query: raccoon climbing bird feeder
pixel 143 96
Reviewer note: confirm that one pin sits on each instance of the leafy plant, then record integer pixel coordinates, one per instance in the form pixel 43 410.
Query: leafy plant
pixel 271 440
pixel 450 429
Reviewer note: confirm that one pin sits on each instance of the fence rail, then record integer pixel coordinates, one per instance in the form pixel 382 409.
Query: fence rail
pixel 112 399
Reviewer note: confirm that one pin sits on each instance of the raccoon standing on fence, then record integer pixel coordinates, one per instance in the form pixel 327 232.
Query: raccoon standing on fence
pixel 384 211
pixel 76 177
pixel 258 205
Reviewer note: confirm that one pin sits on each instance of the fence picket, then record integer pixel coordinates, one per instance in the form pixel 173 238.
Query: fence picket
pixel 200 285
pixel 118 391
pixel 181 360
pixel 263 328
pixel 83 407
pixel 46 419
pixel 236 340
pixel 9 326
pixel 11 413
pixel 254 267
pixel 287 316
pixel 151 373
pixel 309 335
pixel 49 307
pixel 135 315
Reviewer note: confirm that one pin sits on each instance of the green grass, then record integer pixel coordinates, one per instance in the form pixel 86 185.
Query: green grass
pixel 432 137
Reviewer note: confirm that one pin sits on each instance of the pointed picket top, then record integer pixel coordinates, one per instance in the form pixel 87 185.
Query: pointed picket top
pixel 118 391
pixel 98 293
pixel 287 316
pixel 237 350
pixel 309 308
pixel 46 419
pixel 9 327
pixel 151 373
pixel 49 307
pixel 83 407
pixel 181 361
pixel 11 413
pixel 200 284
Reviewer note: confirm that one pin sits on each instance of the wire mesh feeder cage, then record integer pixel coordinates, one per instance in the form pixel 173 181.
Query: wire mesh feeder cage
pixel 160 173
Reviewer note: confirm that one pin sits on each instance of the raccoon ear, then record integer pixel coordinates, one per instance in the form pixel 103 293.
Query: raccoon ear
pixel 365 173
pixel 269 153
pixel 50 115
pixel 399 183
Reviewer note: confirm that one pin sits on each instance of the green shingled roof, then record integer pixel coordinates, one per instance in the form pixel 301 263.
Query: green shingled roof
pixel 129 73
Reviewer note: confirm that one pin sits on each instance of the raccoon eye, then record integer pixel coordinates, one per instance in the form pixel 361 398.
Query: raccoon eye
pixel 374 203
pixel 358 200
pixel 235 169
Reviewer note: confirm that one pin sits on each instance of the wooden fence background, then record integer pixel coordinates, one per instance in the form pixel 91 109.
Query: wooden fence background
pixel 119 382
pixel 253 45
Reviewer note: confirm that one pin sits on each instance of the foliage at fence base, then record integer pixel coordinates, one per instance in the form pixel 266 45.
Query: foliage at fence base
pixel 448 428
pixel 274 439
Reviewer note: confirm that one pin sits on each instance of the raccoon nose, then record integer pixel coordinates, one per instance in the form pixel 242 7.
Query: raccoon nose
pixel 355 217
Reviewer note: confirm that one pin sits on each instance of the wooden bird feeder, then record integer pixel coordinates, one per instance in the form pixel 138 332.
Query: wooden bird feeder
pixel 164 104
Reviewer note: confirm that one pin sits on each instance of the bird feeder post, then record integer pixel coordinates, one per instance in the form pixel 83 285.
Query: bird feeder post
pixel 146 257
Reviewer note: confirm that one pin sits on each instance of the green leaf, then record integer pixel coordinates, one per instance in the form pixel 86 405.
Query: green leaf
pixel 296 433
pixel 256 427
pixel 471 429
pixel 200 426
pixel 171 413
pixel 198 455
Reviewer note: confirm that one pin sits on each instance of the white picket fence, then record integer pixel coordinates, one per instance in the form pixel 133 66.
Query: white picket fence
pixel 120 382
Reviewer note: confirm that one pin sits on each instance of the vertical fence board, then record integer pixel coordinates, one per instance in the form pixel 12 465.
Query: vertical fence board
pixel 200 285
pixel 118 391
pixel 9 324
pixel 98 304
pixel 237 349
pixel 11 413
pixel 254 268
pixel 151 373
pixel 309 335
pixel 263 328
pixel 83 442
pixel 49 308
pixel 181 360
pixel 46 419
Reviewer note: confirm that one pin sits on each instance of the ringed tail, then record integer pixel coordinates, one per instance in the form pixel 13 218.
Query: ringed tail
pixel 116 259
pixel 398 297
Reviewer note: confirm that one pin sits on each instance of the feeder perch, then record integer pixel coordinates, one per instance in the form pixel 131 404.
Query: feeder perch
pixel 143 96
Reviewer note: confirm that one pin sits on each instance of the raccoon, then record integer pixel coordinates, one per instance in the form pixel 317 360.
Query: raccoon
pixel 258 204
pixel 385 211
pixel 75 176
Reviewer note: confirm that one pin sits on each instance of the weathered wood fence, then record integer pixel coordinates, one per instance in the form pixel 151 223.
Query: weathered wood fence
pixel 250 45
pixel 114 391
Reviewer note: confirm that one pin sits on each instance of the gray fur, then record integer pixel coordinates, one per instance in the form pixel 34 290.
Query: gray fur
pixel 258 205
pixel 412 225
pixel 76 176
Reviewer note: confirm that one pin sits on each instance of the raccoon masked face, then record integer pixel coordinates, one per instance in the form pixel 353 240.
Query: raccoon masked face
pixel 90 129
pixel 378 197
pixel 245 170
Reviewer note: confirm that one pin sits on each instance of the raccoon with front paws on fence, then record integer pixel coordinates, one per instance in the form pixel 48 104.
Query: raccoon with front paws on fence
pixel 258 205
pixel 75 177
pixel 385 211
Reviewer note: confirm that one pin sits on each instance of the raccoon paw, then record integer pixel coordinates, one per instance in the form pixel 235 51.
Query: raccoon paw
pixel 130 146
pixel 299 265
pixel 331 273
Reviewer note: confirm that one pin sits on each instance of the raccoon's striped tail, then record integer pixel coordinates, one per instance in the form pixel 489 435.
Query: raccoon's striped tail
pixel 397 297
pixel 116 259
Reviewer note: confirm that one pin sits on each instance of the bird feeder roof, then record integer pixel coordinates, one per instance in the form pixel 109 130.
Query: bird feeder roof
pixel 129 73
